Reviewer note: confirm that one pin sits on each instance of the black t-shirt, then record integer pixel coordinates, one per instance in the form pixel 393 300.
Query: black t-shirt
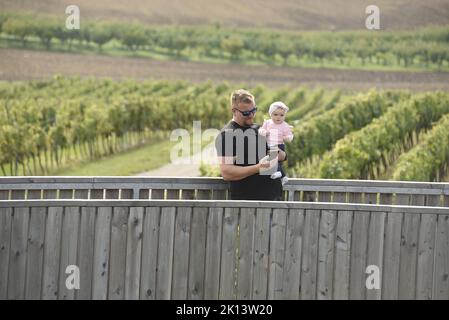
pixel 248 147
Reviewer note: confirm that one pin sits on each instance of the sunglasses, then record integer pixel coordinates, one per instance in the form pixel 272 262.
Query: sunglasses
pixel 247 113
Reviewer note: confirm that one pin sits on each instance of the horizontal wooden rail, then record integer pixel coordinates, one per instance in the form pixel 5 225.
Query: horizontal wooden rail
pixel 171 249
pixel 311 190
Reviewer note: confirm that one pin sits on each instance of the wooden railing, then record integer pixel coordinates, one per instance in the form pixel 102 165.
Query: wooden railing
pixel 193 249
pixel 311 190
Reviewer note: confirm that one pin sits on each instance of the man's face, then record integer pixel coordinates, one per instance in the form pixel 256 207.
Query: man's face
pixel 244 121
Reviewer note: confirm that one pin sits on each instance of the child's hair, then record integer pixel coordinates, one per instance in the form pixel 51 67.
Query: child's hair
pixel 241 95
pixel 275 105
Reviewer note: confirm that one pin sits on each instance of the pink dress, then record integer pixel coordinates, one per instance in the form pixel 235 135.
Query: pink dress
pixel 277 133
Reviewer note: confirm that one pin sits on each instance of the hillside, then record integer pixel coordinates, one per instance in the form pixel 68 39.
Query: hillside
pixel 286 14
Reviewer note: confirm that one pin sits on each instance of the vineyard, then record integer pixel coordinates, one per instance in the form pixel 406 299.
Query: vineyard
pixel 371 135
pixel 425 49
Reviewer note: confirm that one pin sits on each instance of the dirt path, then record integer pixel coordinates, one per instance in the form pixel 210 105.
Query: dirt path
pixel 26 64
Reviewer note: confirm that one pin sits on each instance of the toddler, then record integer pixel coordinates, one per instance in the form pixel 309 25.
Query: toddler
pixel 277 131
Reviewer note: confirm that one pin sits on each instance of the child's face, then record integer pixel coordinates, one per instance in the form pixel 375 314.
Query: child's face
pixel 278 116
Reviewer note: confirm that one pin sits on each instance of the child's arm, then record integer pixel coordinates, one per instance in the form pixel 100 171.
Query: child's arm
pixel 264 129
pixel 288 134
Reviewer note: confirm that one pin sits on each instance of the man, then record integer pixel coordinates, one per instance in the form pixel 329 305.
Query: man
pixel 242 154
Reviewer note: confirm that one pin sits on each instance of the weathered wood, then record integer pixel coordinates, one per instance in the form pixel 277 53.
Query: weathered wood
pixel 69 248
pixel 310 254
pixel 34 194
pixel 339 197
pixel 342 255
pixel 390 271
pixel 326 254
pixel 417 200
pixel 203 194
pixel 359 245
pixel 324 196
pixel 173 194
pixel 150 253
pixel 18 194
pixel 112 193
pixel 5 244
pixel 213 248
pixel 181 254
pixel 18 254
pixel 371 198
pixel 426 245
pixel 293 249
pixel 101 253
pixel 81 194
pixel 165 253
pixel 277 254
pixel 52 253
pixel 4 194
pixel 188 194
pixel 133 253
pixel 402 199
pixel 86 252
pixel 375 250
pixel 66 194
pixel 144 194
pixel 50 194
pixel 117 266
pixel 446 201
pixel 386 198
pixel 441 275
pixel 261 254
pixel 309 196
pixel 197 254
pixel 245 253
pixel 407 268
pixel 228 254
pixel 432 200
pixel 126 194
pixel 219 194
pixel 157 193
pixel 97 194
pixel 355 197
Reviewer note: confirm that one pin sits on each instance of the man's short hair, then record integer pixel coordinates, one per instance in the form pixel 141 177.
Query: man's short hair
pixel 241 96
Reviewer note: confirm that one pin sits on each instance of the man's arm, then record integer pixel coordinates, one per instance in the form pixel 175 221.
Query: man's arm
pixel 231 172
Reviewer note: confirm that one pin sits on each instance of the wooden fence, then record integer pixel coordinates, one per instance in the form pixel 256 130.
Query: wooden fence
pixel 310 190
pixel 171 249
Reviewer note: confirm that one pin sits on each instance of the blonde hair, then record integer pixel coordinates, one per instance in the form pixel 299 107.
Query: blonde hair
pixel 241 96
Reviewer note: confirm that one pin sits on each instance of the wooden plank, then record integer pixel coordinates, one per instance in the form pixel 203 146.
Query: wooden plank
pixel 446 201
pixel 18 194
pixel 66 194
pixel 96 194
pixel 309 196
pixel 203 194
pixel 86 252
pixel 4 194
pixel 228 254
pixel 326 254
pixel 165 253
pixel 18 253
pixel 112 193
pixel 197 253
pixel 359 244
pixel 219 194
pixel 441 275
pixel 417 200
pixel 101 253
pixel 402 199
pixel 81 194
pixel 371 198
pixel 150 253
pixel 5 245
pixel 126 193
pixel 432 200
pixel 310 253
pixel 34 194
pixel 277 254
pixel 355 197
pixel 181 253
pixel 339 197
pixel 213 253
pixel 188 194
pixel 390 271
pixel 50 194
pixel 173 194
pixel 157 193
pixel 134 253
pixel 144 194
pixel 407 267
pixel 52 253
pixel 386 198
pixel 426 245
pixel 117 267
pixel 375 250
pixel 324 196
pixel 293 248
pixel 342 255
pixel 69 248
pixel 261 254
pixel 245 253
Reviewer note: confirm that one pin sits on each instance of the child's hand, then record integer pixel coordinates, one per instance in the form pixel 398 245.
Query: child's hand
pixel 262 132
pixel 289 138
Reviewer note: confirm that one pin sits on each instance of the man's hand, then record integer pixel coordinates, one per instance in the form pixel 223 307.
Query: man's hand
pixel 262 132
